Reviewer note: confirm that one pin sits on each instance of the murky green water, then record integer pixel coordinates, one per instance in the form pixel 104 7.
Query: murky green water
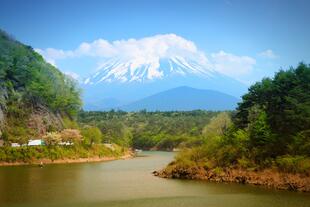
pixel 128 183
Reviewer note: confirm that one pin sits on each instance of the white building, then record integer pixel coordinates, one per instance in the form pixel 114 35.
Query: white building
pixel 31 142
pixel 15 145
pixel 35 142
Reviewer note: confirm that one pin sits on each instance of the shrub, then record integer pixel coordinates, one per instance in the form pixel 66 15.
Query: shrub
pixel 184 158
pixel 301 144
pixel 218 170
pixel 69 123
pixel 54 152
pixel 244 163
pixel 91 135
pixel 52 138
pixel 291 164
pixel 226 156
pixel 71 135
pixel 217 126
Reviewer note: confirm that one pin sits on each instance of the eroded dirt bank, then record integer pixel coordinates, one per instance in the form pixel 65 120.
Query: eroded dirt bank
pixel 269 177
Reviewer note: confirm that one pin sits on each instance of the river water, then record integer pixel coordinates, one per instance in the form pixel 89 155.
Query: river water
pixel 128 183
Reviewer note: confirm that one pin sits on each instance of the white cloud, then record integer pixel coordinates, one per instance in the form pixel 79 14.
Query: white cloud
pixel 268 54
pixel 51 54
pixel 150 50
pixel 232 65
pixel 156 46
pixel 73 75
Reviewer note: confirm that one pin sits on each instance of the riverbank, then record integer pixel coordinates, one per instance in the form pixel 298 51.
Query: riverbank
pixel 269 177
pixel 68 161
pixel 61 154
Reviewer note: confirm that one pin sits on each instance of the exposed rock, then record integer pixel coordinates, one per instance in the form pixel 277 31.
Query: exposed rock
pixel 3 97
pixel 42 119
pixel 1 117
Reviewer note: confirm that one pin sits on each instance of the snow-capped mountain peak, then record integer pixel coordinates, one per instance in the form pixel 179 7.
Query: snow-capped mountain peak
pixel 141 69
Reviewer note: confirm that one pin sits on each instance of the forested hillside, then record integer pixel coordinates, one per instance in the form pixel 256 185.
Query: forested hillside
pixel 270 131
pixel 35 97
pixel 39 102
pixel 150 130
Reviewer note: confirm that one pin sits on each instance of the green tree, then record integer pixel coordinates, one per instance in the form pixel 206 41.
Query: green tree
pixel 92 135
pixel 217 126
pixel 285 100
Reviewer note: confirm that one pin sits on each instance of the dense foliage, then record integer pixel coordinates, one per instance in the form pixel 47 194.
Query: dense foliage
pixel 34 153
pixel 276 113
pixel 25 75
pixel 146 130
pixel 27 84
pixel 271 128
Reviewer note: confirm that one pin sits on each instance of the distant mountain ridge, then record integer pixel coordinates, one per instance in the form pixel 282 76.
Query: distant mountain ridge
pixel 116 94
pixel 184 99
pixel 124 79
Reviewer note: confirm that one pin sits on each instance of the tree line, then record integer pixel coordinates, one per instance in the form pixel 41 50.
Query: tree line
pixel 269 129
pixel 149 130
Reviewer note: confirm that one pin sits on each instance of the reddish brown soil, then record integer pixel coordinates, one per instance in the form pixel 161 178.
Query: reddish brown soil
pixel 268 177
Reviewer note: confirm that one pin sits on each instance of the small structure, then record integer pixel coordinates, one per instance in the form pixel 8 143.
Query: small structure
pixel 65 143
pixel 14 144
pixel 35 142
pixel 1 143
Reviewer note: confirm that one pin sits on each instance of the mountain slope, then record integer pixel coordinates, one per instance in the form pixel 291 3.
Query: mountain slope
pixel 131 79
pixel 34 95
pixel 133 70
pixel 183 99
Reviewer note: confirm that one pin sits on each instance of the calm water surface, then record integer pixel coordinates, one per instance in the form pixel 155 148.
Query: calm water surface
pixel 128 183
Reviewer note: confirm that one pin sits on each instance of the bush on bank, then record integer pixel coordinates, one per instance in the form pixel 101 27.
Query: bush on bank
pixel 32 153
pixel 270 128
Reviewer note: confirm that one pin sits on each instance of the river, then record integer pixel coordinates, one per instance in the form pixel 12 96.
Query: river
pixel 128 183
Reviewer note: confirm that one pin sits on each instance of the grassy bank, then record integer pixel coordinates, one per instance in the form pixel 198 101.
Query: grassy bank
pixel 285 173
pixel 60 154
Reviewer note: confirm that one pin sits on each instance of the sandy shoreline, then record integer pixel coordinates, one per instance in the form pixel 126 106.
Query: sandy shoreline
pixel 68 161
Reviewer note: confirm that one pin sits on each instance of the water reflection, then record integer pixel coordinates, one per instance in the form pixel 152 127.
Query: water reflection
pixel 128 183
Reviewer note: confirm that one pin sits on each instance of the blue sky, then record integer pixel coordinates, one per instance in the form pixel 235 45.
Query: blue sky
pixel 274 34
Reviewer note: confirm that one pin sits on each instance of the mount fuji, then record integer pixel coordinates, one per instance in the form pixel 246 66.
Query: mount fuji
pixel 131 70
pixel 122 81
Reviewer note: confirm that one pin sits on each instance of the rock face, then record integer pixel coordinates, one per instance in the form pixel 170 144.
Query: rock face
pixel 42 120
pixel 1 117
pixel 3 96
pixel 270 178
pixel 34 95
